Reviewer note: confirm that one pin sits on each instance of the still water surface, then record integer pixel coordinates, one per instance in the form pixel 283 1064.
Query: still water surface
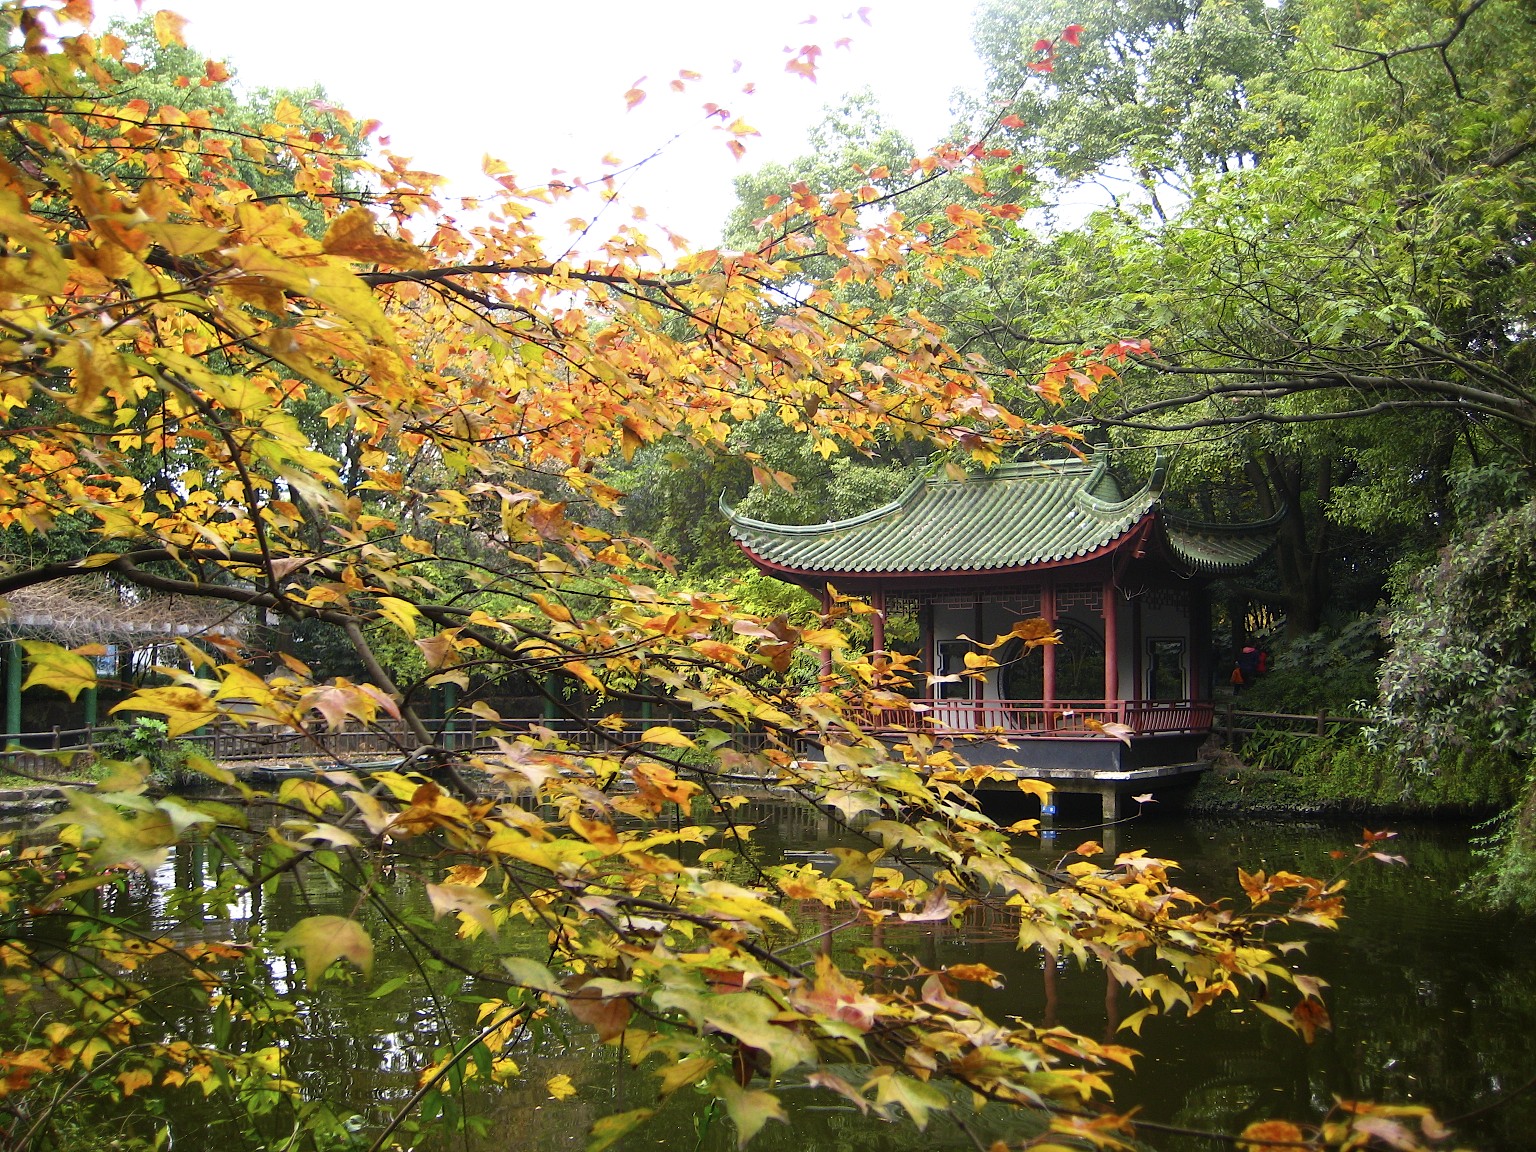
pixel 1432 1001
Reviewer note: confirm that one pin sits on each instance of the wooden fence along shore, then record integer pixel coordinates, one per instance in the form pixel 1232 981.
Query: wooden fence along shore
pixel 1233 722
pixel 45 753
pixel 42 753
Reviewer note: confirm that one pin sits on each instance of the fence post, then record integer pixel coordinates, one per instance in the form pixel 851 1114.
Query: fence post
pixel 1322 723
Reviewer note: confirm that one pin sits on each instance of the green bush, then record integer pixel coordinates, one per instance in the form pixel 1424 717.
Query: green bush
pixel 1331 670
pixel 149 740
pixel 1462 668
pixel 1458 688
pixel 1507 878
pixel 1351 771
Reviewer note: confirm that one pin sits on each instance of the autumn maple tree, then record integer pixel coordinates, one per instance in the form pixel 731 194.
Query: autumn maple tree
pixel 339 406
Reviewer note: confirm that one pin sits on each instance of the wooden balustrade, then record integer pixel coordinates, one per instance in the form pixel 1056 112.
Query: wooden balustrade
pixel 1034 718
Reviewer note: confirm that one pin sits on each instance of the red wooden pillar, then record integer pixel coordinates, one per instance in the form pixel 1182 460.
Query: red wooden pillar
pixel 1048 653
pixel 1138 642
pixel 877 621
pixel 1111 644
pixel 826 653
pixel 977 689
pixel 930 649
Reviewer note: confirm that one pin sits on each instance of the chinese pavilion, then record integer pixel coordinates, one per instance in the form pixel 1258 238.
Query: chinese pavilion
pixel 1120 577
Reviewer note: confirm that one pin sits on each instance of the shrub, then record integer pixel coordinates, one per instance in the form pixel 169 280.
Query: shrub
pixel 149 740
pixel 1325 671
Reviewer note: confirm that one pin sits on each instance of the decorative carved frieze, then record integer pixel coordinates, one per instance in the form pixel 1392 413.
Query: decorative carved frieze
pixel 1080 595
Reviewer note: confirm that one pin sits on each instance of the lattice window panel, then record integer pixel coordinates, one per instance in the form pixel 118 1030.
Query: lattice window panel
pixel 1089 596
pixel 1022 599
pixel 1167 598
pixel 1027 603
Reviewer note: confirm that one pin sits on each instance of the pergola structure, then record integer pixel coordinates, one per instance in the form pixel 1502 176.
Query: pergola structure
pixel 1119 576
pixel 86 611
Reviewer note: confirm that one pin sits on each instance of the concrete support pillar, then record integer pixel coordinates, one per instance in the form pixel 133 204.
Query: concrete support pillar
pixel 1109 840
pixel 1111 803
pixel 1048 814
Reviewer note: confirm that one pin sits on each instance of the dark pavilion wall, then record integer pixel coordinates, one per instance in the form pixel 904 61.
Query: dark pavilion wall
pixel 1161 657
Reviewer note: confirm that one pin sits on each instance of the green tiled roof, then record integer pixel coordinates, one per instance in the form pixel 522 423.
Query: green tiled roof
pixel 1018 516
pixel 1217 548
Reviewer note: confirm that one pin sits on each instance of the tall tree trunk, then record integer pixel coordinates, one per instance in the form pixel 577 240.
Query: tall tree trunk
pixel 1301 546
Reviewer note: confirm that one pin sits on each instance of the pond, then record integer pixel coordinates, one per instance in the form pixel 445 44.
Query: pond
pixel 1432 1002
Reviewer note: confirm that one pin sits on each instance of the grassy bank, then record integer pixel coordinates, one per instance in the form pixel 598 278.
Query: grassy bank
pixel 1345 774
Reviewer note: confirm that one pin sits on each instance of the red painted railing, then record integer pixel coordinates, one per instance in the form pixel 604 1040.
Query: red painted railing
pixel 1171 716
pixel 1033 718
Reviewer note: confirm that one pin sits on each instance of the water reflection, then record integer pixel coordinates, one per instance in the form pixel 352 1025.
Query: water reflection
pixel 1431 1001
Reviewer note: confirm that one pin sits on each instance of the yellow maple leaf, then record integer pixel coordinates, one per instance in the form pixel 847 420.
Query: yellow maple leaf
pixel 168 28
pixel 56 667
pixel 401 613
pixel 667 735
pixel 132 1079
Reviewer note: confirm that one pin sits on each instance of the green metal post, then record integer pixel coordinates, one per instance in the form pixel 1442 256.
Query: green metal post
pixel 551 687
pixel 90 707
pixel 13 689
pixel 450 704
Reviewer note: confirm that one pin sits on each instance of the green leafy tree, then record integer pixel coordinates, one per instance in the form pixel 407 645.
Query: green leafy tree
pixel 1457 682
pixel 1156 92
pixel 1316 222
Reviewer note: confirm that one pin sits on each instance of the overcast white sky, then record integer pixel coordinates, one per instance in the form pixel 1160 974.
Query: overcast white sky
pixel 540 84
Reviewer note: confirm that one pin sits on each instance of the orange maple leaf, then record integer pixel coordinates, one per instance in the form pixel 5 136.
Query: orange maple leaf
pixel 1271 1136
pixel 804 64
